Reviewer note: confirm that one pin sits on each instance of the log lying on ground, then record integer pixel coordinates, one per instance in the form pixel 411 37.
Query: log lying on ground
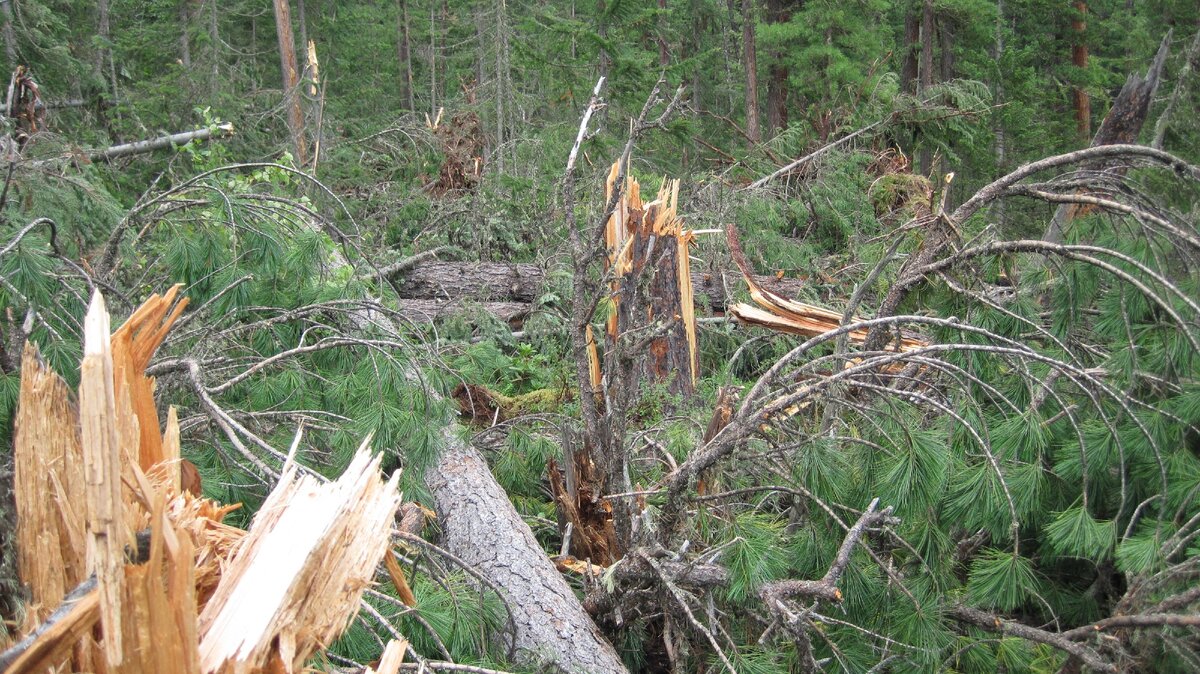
pixel 108 154
pixel 480 525
pixel 430 311
pixel 507 285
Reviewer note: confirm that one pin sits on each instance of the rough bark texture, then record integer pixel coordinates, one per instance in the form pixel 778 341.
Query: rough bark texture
pixel 404 52
pixel 654 279
pixel 480 526
pixel 430 311
pixel 912 39
pixel 777 84
pixel 750 61
pixel 498 282
pixel 925 72
pixel 291 80
pixel 1079 57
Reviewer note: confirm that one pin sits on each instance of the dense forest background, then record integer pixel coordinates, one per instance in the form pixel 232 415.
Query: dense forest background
pixel 1036 463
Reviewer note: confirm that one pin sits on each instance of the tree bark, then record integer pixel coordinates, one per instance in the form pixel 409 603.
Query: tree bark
pixel 777 84
pixel 1079 57
pixel 291 80
pixel 10 38
pixel 925 74
pixel 481 527
pixel 143 146
pixel 524 283
pixel 750 61
pixel 1189 57
pixel 302 22
pixel 664 55
pixel 185 38
pixel 105 57
pixel 912 40
pixel 404 52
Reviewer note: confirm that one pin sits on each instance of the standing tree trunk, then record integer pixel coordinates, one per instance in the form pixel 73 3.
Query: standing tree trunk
pixel 185 38
pixel 664 56
pixel 105 57
pixel 925 73
pixel 302 22
pixel 777 84
pixel 214 39
pixel 291 80
pixel 433 63
pixel 10 38
pixel 1164 119
pixel 912 42
pixel 602 30
pixel 404 52
pixel 502 80
pixel 751 64
pixel 1001 137
pixel 1079 57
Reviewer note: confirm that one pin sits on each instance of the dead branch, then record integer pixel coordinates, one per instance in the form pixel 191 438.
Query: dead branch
pixel 993 623
pixel 774 594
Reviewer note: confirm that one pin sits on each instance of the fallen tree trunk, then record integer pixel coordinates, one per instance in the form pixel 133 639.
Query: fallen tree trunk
pixel 429 310
pixel 143 146
pixel 480 526
pixel 523 283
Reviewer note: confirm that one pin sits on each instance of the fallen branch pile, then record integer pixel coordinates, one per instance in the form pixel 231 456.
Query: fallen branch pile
pixel 129 572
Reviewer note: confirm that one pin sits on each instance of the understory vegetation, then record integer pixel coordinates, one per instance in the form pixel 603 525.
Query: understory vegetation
pixel 1017 491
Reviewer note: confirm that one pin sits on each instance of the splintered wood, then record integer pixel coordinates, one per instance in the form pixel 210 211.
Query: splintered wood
pixel 797 318
pixel 652 283
pixel 128 570
pixel 296 581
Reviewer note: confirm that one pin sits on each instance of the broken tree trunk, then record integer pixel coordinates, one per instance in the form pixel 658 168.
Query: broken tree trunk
pixel 1121 126
pixel 480 526
pixel 653 323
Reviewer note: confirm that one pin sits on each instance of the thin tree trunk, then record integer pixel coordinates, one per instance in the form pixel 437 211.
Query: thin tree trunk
pixel 1079 57
pixel 751 64
pixel 185 37
pixel 502 78
pixel 1001 138
pixel 602 30
pixel 404 52
pixel 777 84
pixel 302 22
pixel 214 37
pixel 433 97
pixel 1164 119
pixel 912 40
pixel 664 56
pixel 10 38
pixel 291 80
pixel 1121 125
pixel 946 44
pixel 105 61
pixel 925 73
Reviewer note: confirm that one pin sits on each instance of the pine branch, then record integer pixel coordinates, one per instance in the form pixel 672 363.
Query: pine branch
pixel 774 594
pixel 993 623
